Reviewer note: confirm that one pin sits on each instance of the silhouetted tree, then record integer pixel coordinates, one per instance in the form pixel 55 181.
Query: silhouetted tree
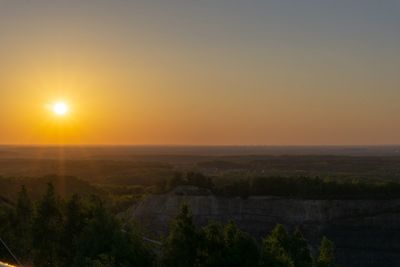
pixel 228 246
pixel 47 229
pixel 275 251
pixel 241 248
pixel 299 250
pixel 23 224
pixel 7 230
pixel 181 247
pixel 73 224
pixel 326 256
pixel 213 248
pixel 103 241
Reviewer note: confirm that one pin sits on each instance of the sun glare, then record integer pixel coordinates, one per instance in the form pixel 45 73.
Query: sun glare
pixel 60 108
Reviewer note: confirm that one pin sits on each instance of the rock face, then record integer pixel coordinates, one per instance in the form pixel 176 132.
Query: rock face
pixel 365 232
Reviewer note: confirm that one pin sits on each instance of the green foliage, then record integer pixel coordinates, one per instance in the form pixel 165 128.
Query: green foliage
pixel 7 232
pixel 299 250
pixel 74 220
pixel 241 248
pixel 191 178
pixel 199 180
pixel 213 246
pixel 213 250
pixel 176 180
pixel 302 187
pixel 80 232
pixel 103 240
pixel 276 249
pixel 47 230
pixel 217 245
pixel 306 187
pixel 228 246
pixel 23 224
pixel 101 261
pixel 236 187
pixel 181 248
pixel 326 256
pixel 283 250
pixel 64 186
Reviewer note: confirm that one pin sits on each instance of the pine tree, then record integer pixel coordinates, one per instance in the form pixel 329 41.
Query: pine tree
pixel 7 231
pixel 241 248
pixel 181 248
pixel 326 256
pixel 103 242
pixel 23 224
pixel 299 250
pixel 47 229
pixel 276 249
pixel 214 251
pixel 73 225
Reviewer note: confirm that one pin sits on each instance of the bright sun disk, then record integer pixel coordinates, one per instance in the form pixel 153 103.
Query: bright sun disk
pixel 60 108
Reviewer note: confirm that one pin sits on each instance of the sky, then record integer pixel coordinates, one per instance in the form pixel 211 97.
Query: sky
pixel 204 72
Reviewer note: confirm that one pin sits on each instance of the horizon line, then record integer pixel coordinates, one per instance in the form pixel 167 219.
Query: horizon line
pixel 197 145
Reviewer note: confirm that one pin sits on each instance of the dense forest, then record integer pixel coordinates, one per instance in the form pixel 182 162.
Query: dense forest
pixel 119 195
pixel 81 231
pixel 293 187
pixel 149 169
pixel 63 220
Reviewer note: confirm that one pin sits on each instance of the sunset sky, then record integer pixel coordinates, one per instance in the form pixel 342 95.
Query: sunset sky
pixel 204 72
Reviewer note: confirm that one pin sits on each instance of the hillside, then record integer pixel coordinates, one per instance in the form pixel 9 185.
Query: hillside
pixel 366 232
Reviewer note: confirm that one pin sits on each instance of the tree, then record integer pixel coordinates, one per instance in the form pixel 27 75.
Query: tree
pixel 241 248
pixel 175 181
pixel 6 230
pixel 23 224
pixel 103 242
pixel 276 249
pixel 181 247
pixel 213 248
pixel 47 229
pixel 326 256
pixel 299 250
pixel 74 222
pixel 101 261
pixel 198 179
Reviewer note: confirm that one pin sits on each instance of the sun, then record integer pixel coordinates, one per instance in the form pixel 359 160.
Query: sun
pixel 60 108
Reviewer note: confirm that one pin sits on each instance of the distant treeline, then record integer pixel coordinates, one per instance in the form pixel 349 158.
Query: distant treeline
pixel 120 196
pixel 294 187
pixel 95 171
pixel 117 198
pixel 65 186
pixel 81 231
pixel 309 163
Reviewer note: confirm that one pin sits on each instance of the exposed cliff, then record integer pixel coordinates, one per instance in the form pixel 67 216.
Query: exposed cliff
pixel 366 232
